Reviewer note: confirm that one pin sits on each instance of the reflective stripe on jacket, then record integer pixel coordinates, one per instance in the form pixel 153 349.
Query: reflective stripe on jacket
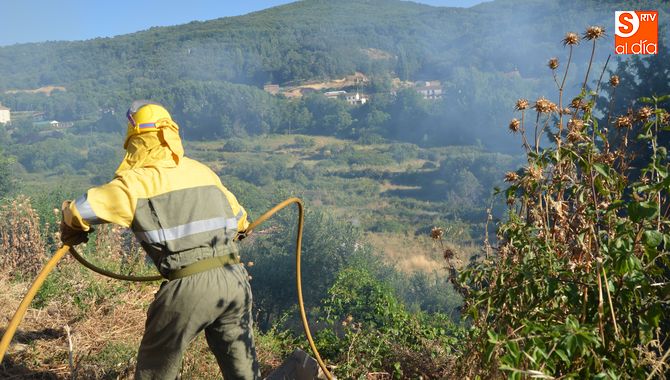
pixel 180 213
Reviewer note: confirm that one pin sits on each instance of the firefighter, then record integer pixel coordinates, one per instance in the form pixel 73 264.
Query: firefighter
pixel 186 221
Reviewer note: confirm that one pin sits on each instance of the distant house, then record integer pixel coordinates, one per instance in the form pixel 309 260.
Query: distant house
pixel 52 125
pixel 271 88
pixel 429 89
pixel 353 99
pixel 334 94
pixel 356 99
pixel 5 115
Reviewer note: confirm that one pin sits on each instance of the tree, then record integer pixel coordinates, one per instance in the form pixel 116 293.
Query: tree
pixel 328 245
pixel 330 116
pixel 6 180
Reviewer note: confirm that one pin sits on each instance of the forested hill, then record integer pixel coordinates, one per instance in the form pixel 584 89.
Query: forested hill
pixel 312 39
pixel 485 57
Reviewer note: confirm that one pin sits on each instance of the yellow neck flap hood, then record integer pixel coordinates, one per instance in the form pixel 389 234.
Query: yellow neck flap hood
pixel 152 138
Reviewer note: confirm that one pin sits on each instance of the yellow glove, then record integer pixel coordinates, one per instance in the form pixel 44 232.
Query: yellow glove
pixel 69 235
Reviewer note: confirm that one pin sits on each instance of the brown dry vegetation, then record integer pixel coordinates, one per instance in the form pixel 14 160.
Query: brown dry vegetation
pixel 21 241
pixel 46 90
pixel 335 84
pixel 103 317
pixel 110 321
pixel 407 254
pixel 377 54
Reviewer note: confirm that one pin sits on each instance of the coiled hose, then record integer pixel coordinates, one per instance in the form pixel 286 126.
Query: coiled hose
pixel 51 264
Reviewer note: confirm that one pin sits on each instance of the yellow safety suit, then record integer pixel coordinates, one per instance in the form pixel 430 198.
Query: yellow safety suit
pixel 181 213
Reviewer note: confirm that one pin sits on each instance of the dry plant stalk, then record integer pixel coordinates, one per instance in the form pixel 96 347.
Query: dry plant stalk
pixel 22 245
pixel 70 350
pixel 560 256
pixel 118 244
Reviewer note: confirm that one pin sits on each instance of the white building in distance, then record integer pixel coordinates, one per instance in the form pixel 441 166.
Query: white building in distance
pixel 353 99
pixel 5 116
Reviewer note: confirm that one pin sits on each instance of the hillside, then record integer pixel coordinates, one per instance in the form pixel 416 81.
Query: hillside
pixel 481 232
pixel 485 57
pixel 311 39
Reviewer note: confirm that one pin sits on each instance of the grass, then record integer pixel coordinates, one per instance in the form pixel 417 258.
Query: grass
pixel 388 200
pixel 106 317
pixel 409 255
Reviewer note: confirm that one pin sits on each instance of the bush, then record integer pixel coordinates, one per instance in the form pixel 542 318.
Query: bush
pixel 6 176
pixel 21 241
pixel 429 155
pixel 328 245
pixel 403 152
pixel 370 138
pixel 304 142
pixel 574 289
pixel 236 145
pixel 372 331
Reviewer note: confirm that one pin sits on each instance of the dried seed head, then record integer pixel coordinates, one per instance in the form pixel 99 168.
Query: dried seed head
pixel 665 117
pixel 594 32
pixel 521 104
pixel 587 107
pixel 511 177
pixel 553 63
pixel 543 105
pixel 575 137
pixel 644 113
pixel 514 125
pixel 448 254
pixel 559 208
pixel 534 172
pixel 566 111
pixel 614 80
pixel 571 38
pixel 436 233
pixel 558 233
pixel 575 125
pixel 623 121
pixel 607 158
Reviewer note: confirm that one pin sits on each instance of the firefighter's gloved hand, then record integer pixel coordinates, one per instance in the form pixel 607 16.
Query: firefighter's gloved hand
pixel 242 235
pixel 69 235
pixel 72 237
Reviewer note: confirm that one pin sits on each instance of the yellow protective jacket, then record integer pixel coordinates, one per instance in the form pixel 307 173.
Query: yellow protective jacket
pixel 176 206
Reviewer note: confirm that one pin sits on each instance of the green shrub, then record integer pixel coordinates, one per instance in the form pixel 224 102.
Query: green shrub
pixel 304 142
pixel 403 152
pixel 577 287
pixel 236 145
pixel 373 331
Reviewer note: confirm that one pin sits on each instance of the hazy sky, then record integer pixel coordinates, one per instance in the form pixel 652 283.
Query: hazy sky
pixel 49 20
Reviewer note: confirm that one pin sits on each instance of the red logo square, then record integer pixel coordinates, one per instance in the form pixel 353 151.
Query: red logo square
pixel 636 32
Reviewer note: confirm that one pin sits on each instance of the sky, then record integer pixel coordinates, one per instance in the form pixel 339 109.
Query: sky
pixel 53 20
